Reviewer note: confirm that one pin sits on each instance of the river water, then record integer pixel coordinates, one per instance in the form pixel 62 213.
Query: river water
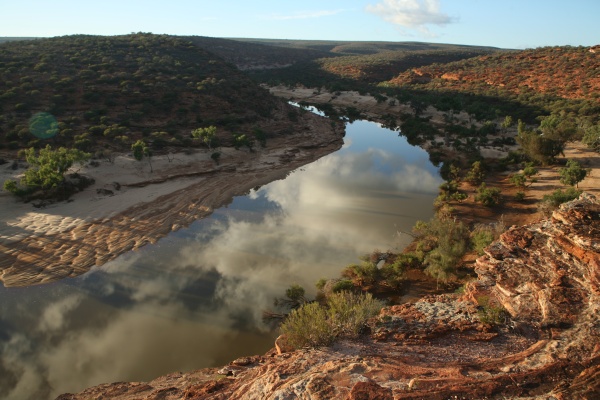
pixel 195 298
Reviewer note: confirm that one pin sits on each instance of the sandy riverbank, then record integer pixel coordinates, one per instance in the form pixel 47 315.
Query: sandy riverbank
pixel 514 212
pixel 373 110
pixel 128 206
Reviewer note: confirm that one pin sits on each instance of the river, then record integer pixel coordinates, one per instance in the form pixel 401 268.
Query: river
pixel 195 298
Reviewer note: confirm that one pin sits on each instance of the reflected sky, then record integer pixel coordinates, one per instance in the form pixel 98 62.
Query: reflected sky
pixel 195 298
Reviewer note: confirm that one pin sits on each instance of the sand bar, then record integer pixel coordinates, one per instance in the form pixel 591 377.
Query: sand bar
pixel 129 206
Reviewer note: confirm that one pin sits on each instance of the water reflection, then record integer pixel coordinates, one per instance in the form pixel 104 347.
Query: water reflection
pixel 195 298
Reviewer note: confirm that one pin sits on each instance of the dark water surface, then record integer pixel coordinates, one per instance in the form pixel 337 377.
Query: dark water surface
pixel 195 298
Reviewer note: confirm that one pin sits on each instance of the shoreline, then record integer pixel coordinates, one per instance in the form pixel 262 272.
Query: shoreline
pixel 128 207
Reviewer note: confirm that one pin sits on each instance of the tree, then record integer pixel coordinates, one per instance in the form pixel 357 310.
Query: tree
pixel 240 139
pixel 476 174
pixel 443 242
pixel 529 171
pixel 538 147
pixel 519 180
pixel 508 122
pixel 489 197
pixel 46 170
pixel 591 136
pixel 140 149
pixel 572 174
pixel 207 135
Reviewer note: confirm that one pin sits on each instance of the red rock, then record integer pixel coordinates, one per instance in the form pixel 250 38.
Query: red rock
pixel 546 275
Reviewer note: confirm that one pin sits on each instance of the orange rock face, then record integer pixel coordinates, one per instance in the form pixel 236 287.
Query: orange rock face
pixel 546 344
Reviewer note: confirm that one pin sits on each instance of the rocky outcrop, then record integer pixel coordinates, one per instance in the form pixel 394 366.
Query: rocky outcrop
pixel 527 328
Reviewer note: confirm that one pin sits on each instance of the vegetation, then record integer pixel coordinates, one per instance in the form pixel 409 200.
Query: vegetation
pixel 105 93
pixel 572 174
pixel 483 235
pixel 491 313
pixel 343 315
pixel 488 196
pixel 45 176
pixel 476 174
pixel 140 150
pixel 440 245
pixel 207 135
pixel 552 201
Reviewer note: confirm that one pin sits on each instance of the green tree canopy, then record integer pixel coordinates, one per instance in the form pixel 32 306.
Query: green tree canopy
pixel 572 174
pixel 46 170
pixel 207 135
pixel 140 149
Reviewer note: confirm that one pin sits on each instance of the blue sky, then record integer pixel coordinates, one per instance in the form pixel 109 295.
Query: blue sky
pixel 500 23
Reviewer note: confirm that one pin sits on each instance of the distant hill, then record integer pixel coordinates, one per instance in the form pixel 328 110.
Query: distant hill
pixel 250 54
pixel 362 47
pixel 319 63
pixel 15 39
pixel 564 72
pixel 111 91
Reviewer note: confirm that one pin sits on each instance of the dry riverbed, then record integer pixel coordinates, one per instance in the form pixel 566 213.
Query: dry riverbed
pixel 129 206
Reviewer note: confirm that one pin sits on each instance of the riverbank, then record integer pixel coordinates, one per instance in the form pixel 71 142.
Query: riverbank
pixel 128 206
pixel 513 211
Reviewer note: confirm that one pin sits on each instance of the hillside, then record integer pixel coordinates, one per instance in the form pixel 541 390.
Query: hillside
pixel 250 55
pixel 319 62
pixel 107 92
pixel 362 47
pixel 559 72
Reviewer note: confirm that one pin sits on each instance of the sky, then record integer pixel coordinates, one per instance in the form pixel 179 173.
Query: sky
pixel 515 24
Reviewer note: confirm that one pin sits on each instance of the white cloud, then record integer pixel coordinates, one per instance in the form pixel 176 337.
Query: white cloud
pixel 304 15
pixel 412 14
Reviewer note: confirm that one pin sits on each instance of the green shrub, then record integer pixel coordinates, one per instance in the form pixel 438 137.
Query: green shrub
pixel 518 180
pixel 308 326
pixel 343 316
pixel 559 196
pixel 364 273
pixel 481 237
pixel 489 197
pixel 442 242
pixel 572 174
pixel 342 285
pixel 490 313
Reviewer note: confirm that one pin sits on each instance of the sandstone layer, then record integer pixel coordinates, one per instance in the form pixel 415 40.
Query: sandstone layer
pixel 527 328
pixel 128 210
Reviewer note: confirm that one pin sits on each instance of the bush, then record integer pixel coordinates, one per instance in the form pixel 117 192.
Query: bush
pixel 342 285
pixel 558 197
pixel 572 174
pixel 490 313
pixel 343 316
pixel 483 235
pixel 442 242
pixel 46 169
pixel 308 326
pixel 489 197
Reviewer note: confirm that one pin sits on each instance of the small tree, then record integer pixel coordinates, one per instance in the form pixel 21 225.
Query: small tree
pixel 572 174
pixel 46 170
pixel 518 180
pixel 442 242
pixel 140 149
pixel 508 122
pixel 476 174
pixel 489 197
pixel 529 171
pixel 207 135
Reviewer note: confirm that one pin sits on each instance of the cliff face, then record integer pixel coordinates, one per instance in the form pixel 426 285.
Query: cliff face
pixel 547 278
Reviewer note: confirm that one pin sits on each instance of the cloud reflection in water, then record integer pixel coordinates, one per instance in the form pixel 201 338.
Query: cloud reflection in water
pixel 195 298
